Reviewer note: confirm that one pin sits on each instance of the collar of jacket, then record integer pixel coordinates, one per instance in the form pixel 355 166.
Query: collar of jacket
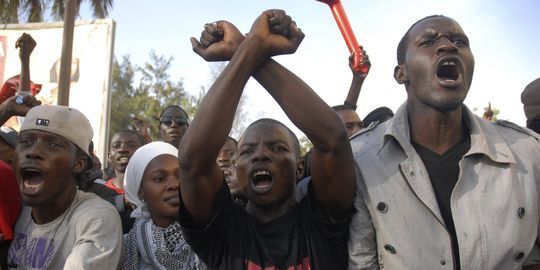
pixel 485 139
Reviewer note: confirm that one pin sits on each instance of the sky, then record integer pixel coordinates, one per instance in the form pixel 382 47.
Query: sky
pixel 504 39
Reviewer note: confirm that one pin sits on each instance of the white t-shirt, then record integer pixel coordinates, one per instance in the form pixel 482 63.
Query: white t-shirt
pixel 87 236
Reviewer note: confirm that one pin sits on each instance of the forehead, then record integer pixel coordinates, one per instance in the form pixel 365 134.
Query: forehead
pixel 265 131
pixel 124 136
pixel 229 145
pixel 347 116
pixel 435 25
pixel 44 135
pixel 174 112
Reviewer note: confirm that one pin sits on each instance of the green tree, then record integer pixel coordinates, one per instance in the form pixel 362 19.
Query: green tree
pixel 241 116
pixel 155 91
pixel 25 11
pixel 305 144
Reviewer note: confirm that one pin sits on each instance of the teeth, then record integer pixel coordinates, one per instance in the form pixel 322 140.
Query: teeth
pixel 257 173
pixel 451 63
pixel 28 185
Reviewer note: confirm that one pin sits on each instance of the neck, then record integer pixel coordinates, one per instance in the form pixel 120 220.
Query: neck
pixel 118 181
pixel 435 130
pixel 267 213
pixel 48 212
pixel 162 222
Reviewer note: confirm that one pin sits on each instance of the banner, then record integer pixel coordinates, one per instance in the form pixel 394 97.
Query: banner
pixel 90 68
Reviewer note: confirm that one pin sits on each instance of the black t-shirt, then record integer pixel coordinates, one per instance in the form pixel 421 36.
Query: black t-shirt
pixel 443 173
pixel 304 238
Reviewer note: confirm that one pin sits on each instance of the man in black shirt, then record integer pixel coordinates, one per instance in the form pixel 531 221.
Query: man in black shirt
pixel 273 231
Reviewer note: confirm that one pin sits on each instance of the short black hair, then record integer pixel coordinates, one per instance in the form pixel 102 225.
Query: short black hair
pixel 343 107
pixel 141 140
pixel 404 42
pixel 296 143
pixel 173 106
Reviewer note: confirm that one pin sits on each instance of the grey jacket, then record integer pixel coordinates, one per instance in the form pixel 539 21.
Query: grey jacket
pixel 495 203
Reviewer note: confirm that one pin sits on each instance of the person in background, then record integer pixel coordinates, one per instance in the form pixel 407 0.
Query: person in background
pixel 530 97
pixel 123 144
pixel 173 123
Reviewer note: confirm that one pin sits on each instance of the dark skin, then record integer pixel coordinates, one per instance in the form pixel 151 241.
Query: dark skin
pixel 226 161
pixel 159 189
pixel 358 78
pixel 333 176
pixel 51 192
pixel 434 103
pixel 123 145
pixel 351 121
pixel 26 45
pixel 173 134
pixel 269 147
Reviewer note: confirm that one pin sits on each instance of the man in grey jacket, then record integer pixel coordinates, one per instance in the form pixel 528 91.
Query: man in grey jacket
pixel 438 187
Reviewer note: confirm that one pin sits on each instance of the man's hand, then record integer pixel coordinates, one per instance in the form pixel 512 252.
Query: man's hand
pixel 219 40
pixel 26 45
pixel 365 60
pixel 277 33
pixel 10 107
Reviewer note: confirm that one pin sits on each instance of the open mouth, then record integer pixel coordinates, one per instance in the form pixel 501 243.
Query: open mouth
pixel 448 69
pixel 261 181
pixel 32 180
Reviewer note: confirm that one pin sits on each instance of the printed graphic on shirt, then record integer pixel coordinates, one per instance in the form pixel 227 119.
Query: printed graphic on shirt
pixel 33 253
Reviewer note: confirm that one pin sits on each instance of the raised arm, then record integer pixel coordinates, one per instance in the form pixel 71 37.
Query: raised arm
pixel 333 173
pixel 26 45
pixel 200 175
pixel 357 80
pixel 19 106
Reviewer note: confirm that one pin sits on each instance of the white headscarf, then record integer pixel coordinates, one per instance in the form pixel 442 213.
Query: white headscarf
pixel 135 170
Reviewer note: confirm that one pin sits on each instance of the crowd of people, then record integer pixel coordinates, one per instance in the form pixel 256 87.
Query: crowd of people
pixel 432 186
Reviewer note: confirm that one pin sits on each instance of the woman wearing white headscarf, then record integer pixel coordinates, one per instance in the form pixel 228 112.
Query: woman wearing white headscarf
pixel 151 182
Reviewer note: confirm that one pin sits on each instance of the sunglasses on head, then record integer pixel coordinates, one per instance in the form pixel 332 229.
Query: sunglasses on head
pixel 169 121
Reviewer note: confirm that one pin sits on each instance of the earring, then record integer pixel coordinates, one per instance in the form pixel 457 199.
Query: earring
pixel 142 200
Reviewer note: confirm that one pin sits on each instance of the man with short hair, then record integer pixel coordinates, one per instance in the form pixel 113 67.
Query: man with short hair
pixel 173 123
pixel 439 187
pixel 350 119
pixel 123 145
pixel 60 227
pixel 227 163
pixel 273 231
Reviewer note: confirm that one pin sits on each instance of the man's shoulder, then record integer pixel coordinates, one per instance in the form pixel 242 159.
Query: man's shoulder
pixel 523 142
pixel 90 205
pixel 516 130
pixel 368 138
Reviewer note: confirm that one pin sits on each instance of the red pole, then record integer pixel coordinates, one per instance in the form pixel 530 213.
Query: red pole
pixel 347 32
